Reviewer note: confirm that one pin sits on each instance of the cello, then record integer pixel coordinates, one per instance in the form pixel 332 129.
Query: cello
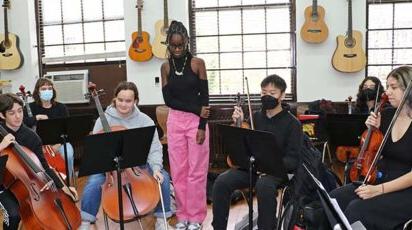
pixel 53 157
pixel 140 193
pixel 41 204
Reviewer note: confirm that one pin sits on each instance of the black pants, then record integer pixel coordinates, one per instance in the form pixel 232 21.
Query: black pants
pixel 11 206
pixel 232 179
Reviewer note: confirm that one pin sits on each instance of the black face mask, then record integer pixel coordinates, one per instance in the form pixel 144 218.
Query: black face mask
pixel 268 102
pixel 368 94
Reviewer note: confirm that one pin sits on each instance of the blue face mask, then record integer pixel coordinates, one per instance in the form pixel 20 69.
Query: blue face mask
pixel 46 95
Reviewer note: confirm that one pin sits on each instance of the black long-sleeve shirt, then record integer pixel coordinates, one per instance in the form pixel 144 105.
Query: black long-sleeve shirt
pixel 29 139
pixel 58 110
pixel 288 132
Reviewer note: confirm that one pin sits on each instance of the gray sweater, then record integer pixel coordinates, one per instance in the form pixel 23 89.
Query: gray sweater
pixel 136 119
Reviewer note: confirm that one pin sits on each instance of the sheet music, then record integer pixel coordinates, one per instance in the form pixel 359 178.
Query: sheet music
pixel 332 200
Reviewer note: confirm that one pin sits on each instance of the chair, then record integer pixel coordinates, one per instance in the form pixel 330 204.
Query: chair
pixel 162 112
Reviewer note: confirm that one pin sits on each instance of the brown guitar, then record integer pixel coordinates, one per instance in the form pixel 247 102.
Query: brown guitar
pixel 10 57
pixel 314 30
pixel 349 55
pixel 140 50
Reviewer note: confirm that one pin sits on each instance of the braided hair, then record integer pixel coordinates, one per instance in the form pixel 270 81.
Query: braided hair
pixel 178 28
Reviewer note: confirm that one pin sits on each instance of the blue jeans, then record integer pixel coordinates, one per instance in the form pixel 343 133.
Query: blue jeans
pixel 70 157
pixel 92 195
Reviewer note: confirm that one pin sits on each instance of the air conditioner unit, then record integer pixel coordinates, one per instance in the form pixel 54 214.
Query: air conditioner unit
pixel 70 85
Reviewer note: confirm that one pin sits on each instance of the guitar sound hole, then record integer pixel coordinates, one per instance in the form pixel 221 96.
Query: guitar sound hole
pixel 349 55
pixel 314 31
pixel 7 55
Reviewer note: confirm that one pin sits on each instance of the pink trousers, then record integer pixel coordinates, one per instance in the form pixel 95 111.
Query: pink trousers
pixel 189 164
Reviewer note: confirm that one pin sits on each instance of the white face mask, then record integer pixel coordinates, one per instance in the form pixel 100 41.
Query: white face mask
pixel 46 95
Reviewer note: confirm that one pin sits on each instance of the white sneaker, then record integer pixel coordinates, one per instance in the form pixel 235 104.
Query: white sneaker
pixel 160 224
pixel 194 226
pixel 181 225
pixel 84 226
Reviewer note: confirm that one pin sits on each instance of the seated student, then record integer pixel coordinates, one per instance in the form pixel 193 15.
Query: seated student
pixel 276 119
pixel 365 99
pixel 123 111
pixel 387 203
pixel 11 114
pixel 45 107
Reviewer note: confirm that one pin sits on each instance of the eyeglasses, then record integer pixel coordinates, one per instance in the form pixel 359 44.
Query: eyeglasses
pixel 180 46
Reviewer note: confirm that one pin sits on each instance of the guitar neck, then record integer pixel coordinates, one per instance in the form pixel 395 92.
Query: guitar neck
pixel 6 28
pixel 315 7
pixel 102 116
pixel 139 21
pixel 165 16
pixel 350 19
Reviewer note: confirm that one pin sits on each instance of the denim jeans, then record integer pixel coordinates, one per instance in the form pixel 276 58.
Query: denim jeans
pixel 92 195
pixel 70 157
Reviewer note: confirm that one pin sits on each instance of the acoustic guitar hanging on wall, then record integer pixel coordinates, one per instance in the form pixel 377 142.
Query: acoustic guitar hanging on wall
pixel 10 57
pixel 349 55
pixel 314 30
pixel 161 27
pixel 140 50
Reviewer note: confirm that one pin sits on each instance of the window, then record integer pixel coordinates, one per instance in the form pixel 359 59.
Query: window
pixel 244 38
pixel 75 30
pixel 389 36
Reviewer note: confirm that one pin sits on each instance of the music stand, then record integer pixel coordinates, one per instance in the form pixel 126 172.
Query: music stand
pixel 63 130
pixel 3 161
pixel 345 130
pixel 253 150
pixel 116 151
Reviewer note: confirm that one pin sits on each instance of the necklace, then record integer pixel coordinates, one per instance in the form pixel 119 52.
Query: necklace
pixel 183 68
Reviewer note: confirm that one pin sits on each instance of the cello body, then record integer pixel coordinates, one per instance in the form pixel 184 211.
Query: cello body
pixel 54 159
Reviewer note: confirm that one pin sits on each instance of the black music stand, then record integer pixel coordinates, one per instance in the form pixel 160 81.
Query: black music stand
pixel 253 150
pixel 118 150
pixel 345 130
pixel 63 130
pixel 334 214
pixel 3 161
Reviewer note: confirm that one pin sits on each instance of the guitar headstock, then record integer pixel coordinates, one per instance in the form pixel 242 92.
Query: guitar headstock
pixel 6 4
pixel 139 4
pixel 93 92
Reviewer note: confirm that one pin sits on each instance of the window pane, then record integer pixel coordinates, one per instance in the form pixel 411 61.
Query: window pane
pixel 254 21
pixel 380 16
pixel 403 38
pixel 277 1
pixel 51 11
pixel 230 43
pixel 403 16
pixel 206 44
pixel 278 41
pixel 229 2
pixel 213 81
pixel 92 10
pixel 73 50
pixel 93 31
pixel 230 60
pixel 380 39
pixel 53 35
pixel 94 48
pixel 402 56
pixel 53 51
pixel 380 72
pixel 254 43
pixel 380 57
pixel 229 22
pixel 252 2
pixel 254 79
pixel 113 9
pixel 286 74
pixel 279 59
pixel 274 16
pixel 73 33
pixel 72 11
pixel 114 30
pixel 115 46
pixel 206 23
pixel 254 59
pixel 205 3
pixel 231 81
pixel 211 60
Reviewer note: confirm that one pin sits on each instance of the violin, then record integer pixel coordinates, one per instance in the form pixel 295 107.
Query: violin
pixel 370 143
pixel 40 208
pixel 140 193
pixel 53 158
pixel 343 153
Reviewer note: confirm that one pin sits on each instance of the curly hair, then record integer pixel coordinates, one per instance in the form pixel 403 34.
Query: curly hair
pixel 362 103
